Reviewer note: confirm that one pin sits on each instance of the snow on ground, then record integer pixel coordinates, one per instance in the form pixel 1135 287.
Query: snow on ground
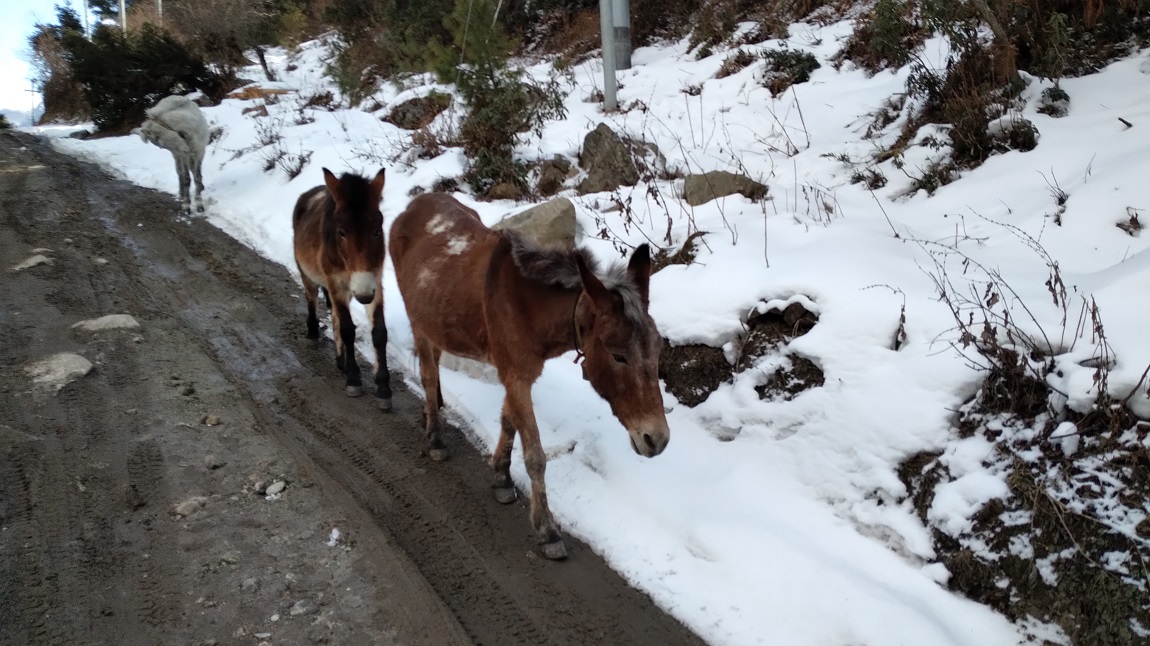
pixel 792 532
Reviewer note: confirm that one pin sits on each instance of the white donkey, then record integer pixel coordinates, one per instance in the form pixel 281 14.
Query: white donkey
pixel 177 125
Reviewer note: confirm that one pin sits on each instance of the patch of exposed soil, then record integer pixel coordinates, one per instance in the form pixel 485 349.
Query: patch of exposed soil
pixel 1064 545
pixel 692 372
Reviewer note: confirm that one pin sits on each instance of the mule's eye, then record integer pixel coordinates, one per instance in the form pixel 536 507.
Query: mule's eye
pixel 619 358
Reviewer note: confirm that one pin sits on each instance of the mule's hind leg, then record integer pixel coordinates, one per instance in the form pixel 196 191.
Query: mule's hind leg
pixel 198 177
pixel 344 328
pixel 522 416
pixel 429 374
pixel 183 171
pixel 501 484
pixel 379 342
pixel 310 293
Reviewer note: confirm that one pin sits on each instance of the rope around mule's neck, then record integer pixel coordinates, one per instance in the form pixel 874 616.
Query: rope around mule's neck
pixel 575 328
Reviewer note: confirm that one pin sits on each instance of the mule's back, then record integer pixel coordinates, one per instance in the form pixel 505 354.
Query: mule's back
pixel 440 250
pixel 176 122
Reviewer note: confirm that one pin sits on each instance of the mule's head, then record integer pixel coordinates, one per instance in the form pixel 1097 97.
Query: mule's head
pixel 355 230
pixel 621 347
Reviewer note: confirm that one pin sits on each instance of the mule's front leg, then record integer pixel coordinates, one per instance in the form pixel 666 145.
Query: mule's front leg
pixel 346 349
pixel 518 403
pixel 379 342
pixel 310 292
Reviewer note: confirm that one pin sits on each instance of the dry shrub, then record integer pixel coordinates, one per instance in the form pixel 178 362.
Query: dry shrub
pixel 735 62
pixel 571 36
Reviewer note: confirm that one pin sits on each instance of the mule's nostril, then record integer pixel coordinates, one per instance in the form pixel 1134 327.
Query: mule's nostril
pixel 648 441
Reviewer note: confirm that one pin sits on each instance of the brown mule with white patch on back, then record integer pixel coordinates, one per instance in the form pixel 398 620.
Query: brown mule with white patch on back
pixel 498 297
pixel 339 246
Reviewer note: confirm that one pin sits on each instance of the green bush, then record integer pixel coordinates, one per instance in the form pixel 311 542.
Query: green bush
pixel 4 123
pixel 501 105
pixel 785 67
pixel 123 76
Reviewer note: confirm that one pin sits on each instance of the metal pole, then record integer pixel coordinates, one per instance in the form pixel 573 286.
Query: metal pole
pixel 123 18
pixel 87 29
pixel 607 31
pixel 160 9
pixel 621 18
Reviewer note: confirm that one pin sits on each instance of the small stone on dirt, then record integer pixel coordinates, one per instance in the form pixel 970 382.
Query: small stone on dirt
pixel 260 486
pixel 58 370
pixel 189 506
pixel 187 389
pixel 276 487
pixel 101 261
pixel 230 557
pixel 211 420
pixel 109 322
pixel 303 607
pixel 32 261
pixel 250 584
pixel 213 462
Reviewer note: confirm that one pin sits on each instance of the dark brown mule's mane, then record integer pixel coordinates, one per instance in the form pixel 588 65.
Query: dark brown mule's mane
pixel 557 266
pixel 356 192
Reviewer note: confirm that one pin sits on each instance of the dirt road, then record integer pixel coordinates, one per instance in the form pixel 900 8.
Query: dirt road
pixel 133 500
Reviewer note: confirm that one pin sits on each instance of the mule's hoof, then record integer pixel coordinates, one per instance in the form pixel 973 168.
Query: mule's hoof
pixel 437 455
pixel 555 550
pixel 384 404
pixel 353 391
pixel 504 495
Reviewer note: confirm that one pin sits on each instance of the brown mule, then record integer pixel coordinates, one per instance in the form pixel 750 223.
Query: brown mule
pixel 500 298
pixel 338 238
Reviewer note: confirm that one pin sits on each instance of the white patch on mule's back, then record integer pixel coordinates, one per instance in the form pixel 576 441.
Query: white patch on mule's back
pixel 317 200
pixel 458 245
pixel 438 224
pixel 424 278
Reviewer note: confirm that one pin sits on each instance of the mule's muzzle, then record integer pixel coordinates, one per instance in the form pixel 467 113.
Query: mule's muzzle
pixel 650 440
pixel 362 286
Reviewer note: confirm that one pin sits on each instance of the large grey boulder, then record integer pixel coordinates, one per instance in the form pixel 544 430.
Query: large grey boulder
pixel 612 161
pixel 550 223
pixel 700 189
pixel 416 113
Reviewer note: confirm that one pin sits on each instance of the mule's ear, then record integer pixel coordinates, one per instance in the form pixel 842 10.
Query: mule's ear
pixel 639 267
pixel 332 185
pixel 591 284
pixel 377 186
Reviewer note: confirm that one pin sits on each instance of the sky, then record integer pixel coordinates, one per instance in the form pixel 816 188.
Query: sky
pixel 768 520
pixel 16 22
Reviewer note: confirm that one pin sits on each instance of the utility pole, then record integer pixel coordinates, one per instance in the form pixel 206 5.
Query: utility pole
pixel 32 112
pixel 621 19
pixel 160 9
pixel 87 29
pixel 607 33
pixel 123 18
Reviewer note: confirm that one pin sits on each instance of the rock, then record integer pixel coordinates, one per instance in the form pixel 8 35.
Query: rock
pixel 260 486
pixel 211 420
pixel 505 191
pixel 700 189
pixel 32 261
pixel 230 557
pixel 187 389
pixel 692 372
pixel 552 174
pixel 303 607
pixel 101 261
pixel 550 223
pixel 109 322
pixel 416 113
pixel 189 506
pixel 607 161
pixel 58 370
pixel 275 487
pixel 250 584
pixel 213 462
